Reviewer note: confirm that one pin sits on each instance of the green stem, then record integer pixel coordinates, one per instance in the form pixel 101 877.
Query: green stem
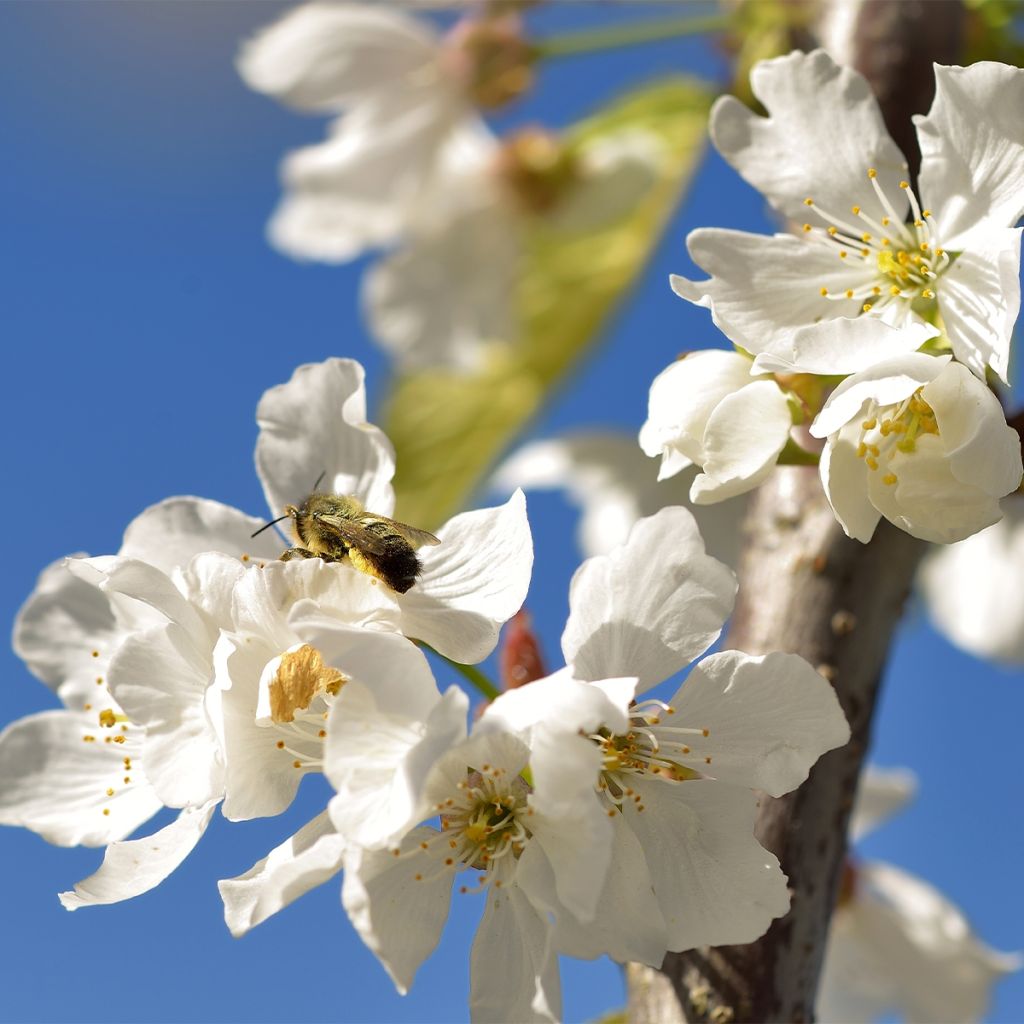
pixel 594 40
pixel 794 455
pixel 471 672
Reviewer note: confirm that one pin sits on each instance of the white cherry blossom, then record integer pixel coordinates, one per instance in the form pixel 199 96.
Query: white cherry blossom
pixel 449 295
pixel 824 159
pixel 972 589
pixel 920 440
pixel 676 777
pixel 405 96
pixel 705 410
pixel 896 944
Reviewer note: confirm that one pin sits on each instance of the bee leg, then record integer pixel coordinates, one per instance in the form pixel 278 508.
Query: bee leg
pixel 296 553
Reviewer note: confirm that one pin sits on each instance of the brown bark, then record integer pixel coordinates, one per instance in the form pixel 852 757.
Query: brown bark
pixel 808 589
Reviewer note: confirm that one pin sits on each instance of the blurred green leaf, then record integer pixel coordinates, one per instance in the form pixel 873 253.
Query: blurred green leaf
pixel 449 428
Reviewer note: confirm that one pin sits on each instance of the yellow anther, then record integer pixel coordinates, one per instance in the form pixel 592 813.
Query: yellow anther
pixel 876 290
pixel 88 739
pixel 807 227
pixel 833 231
pixel 95 654
pixel 889 479
pixel 118 739
pixel 873 448
pixel 106 810
pixel 886 428
pixel 871 463
pixel 870 424
pixel 843 254
pixel 940 252
pixel 862 450
pixel 894 290
pixel 849 293
pixel 855 210
pixel 886 241
pixel 872 173
pixel 886 222
pixel 296 764
pixel 865 252
pixel 866 237
pixel 926 213
pixel 904 184
pixel 927 293
pixel 108 719
pixel 918 223
pixel 808 201
pixel 824 291
pixel 110 792
pixel 866 308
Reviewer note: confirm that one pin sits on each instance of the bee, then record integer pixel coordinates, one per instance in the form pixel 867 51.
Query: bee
pixel 338 528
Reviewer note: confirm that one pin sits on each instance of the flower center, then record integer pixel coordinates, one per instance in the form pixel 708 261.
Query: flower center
pixel 483 826
pixel 891 429
pixel 890 261
pixel 669 753
pixel 296 692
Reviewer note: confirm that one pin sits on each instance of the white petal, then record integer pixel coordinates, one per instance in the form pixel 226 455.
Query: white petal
pixel 844 480
pixel 972 589
pixel 881 792
pixel 763 288
pixel 260 779
pixel 886 383
pixel 715 884
pixel 972 147
pixel 398 916
pixel 684 396
pixel 912 951
pixel 742 441
pixel 842 346
pixel 380 760
pixel 983 450
pixel 316 424
pixel 472 582
pixel 823 133
pixel 928 501
pixel 56 783
pixel 305 860
pixel 378 176
pixel 170 533
pixel 629 924
pixel 442 299
pixel 513 968
pixel 324 56
pixel 769 718
pixel 161 678
pixel 57 629
pixel 979 299
pixel 138 865
pixel 649 607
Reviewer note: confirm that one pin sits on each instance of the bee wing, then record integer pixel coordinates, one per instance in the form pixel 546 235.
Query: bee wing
pixel 416 537
pixel 354 534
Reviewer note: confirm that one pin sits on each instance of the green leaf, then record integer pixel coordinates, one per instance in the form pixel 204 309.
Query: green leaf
pixel 449 428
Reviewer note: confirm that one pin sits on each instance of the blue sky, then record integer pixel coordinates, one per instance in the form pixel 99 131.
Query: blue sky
pixel 144 316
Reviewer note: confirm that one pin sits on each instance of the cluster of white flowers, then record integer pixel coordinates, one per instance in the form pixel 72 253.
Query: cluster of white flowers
pixel 411 166
pixel 197 668
pixel 907 304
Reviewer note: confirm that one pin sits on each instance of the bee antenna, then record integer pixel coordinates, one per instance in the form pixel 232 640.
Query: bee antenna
pixel 267 526
pixel 318 479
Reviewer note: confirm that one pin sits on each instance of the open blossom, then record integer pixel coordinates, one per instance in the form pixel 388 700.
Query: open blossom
pixel 449 294
pixel 898 945
pixel 824 159
pixel 674 778
pixel 705 410
pixel 406 98
pixel 396 766
pixel 972 589
pixel 920 440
